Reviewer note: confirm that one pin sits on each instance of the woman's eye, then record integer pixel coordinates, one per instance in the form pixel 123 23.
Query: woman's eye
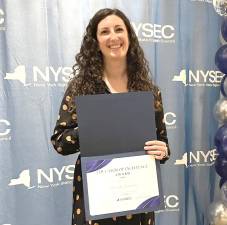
pixel 119 29
pixel 104 32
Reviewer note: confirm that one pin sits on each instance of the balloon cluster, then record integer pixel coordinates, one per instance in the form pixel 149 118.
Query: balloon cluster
pixel 218 209
pixel 220 7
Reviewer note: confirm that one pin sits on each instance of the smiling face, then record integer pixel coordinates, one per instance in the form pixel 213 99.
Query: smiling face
pixel 112 36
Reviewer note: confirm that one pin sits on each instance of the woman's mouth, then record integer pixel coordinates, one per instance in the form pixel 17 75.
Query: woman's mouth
pixel 115 46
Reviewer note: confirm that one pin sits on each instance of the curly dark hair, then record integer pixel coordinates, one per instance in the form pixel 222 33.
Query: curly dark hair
pixel 88 69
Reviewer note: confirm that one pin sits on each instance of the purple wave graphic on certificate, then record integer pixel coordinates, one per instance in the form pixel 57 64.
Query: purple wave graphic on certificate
pixel 94 165
pixel 150 203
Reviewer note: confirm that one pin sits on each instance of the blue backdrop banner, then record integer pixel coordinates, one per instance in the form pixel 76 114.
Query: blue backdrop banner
pixel 38 42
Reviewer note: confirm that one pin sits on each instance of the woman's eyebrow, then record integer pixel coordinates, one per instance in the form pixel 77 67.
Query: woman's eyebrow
pixel 106 27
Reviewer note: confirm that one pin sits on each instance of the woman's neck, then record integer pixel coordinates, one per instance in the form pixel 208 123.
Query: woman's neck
pixel 115 70
pixel 116 77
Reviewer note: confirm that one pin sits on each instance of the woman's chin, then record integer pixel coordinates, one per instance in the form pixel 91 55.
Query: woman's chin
pixel 117 56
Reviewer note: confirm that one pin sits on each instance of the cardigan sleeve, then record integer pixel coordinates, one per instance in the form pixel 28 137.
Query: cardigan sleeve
pixel 160 124
pixel 65 138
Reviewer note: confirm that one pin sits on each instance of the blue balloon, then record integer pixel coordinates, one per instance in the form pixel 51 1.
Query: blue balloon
pixel 224 29
pixel 220 141
pixel 221 59
pixel 223 86
pixel 221 167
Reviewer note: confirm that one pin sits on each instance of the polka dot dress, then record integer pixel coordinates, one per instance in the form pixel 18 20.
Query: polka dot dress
pixel 65 141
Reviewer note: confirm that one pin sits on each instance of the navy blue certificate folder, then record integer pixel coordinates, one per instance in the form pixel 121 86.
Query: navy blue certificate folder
pixel 118 177
pixel 115 123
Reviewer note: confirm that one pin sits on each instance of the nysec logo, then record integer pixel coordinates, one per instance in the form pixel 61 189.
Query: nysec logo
pixel 207 1
pixel 199 78
pixel 2 19
pixel 170 120
pixel 154 32
pixel 5 129
pixel 198 158
pixel 171 203
pixel 41 77
pixel 52 177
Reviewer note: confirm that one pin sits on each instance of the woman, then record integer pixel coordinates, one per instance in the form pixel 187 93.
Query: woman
pixel 110 61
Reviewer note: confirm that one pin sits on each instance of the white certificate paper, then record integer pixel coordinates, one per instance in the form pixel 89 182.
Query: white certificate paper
pixel 122 184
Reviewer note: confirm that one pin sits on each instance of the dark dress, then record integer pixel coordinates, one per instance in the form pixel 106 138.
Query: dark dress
pixel 65 141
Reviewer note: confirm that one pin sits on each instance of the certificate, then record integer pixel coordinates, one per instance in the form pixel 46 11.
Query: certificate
pixel 121 186
pixel 118 177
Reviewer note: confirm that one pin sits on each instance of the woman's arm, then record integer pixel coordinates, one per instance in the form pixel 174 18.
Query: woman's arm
pixel 160 147
pixel 66 136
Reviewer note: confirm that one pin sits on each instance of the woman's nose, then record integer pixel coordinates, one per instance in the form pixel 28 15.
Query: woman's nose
pixel 113 35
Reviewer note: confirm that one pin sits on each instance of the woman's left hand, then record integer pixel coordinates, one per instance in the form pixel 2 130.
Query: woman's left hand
pixel 156 148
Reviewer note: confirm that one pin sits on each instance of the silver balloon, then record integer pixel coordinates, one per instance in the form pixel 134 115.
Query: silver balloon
pixel 222 220
pixel 218 213
pixel 220 110
pixel 222 40
pixel 220 7
pixel 224 193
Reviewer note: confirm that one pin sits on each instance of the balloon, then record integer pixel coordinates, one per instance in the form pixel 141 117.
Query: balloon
pixel 220 140
pixel 224 29
pixel 222 219
pixel 222 40
pixel 220 7
pixel 217 213
pixel 222 181
pixel 221 59
pixel 221 166
pixel 223 85
pixel 224 193
pixel 220 110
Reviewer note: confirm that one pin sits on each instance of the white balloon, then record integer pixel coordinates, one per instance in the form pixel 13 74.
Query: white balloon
pixel 224 194
pixel 217 213
pixel 222 220
pixel 220 110
pixel 220 7
pixel 222 40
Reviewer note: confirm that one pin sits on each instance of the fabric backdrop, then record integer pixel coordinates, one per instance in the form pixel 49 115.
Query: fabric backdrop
pixel 38 42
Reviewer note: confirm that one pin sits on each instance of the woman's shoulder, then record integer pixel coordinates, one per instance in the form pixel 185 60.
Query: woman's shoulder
pixel 70 93
pixel 72 86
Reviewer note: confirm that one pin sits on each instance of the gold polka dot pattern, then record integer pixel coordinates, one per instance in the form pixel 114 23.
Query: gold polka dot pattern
pixel 64 107
pixel 63 123
pixel 78 178
pixel 129 217
pixel 67 98
pixel 78 211
pixel 74 116
pixel 59 149
pixel 68 138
